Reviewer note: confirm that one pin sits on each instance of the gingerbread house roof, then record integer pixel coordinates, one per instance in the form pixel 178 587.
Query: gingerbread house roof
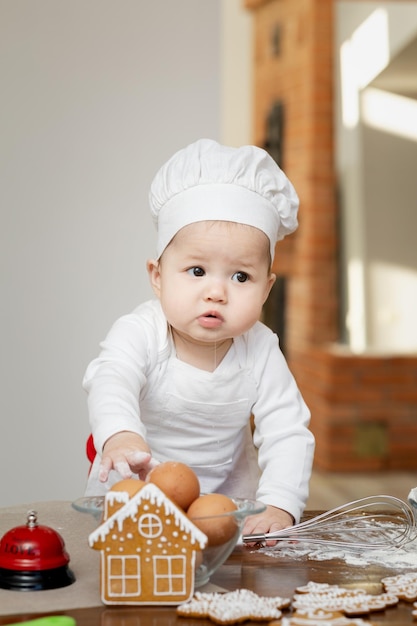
pixel 131 506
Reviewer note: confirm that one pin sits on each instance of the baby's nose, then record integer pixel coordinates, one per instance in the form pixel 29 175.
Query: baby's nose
pixel 216 291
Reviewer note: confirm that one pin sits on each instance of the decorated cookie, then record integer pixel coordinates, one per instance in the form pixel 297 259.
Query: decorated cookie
pixel 404 586
pixel 351 602
pixel 233 607
pixel 148 549
pixel 319 617
pixel 326 588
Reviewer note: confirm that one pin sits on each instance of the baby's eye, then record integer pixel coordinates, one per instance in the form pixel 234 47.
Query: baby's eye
pixel 241 277
pixel 196 271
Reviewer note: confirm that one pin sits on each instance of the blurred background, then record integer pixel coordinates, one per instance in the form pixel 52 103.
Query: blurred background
pixel 96 95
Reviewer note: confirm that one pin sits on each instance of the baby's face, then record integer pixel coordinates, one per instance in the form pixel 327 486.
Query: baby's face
pixel 213 279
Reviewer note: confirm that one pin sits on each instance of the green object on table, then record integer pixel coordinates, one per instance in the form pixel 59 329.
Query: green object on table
pixel 51 620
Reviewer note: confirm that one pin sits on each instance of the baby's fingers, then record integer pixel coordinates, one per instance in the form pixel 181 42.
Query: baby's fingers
pixel 141 463
pixel 105 466
pixel 123 468
pixel 143 473
pixel 119 464
pixel 137 460
pixel 126 464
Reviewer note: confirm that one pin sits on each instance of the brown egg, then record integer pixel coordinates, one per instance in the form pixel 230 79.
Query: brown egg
pixel 178 481
pixel 129 485
pixel 218 529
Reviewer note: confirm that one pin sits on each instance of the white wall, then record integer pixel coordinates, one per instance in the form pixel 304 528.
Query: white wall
pixel 376 165
pixel 96 94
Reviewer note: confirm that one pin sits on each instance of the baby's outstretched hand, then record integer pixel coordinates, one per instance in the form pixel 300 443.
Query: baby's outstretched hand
pixel 271 520
pixel 128 454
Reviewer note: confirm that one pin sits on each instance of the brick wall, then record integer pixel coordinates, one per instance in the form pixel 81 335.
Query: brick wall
pixel 293 45
pixel 364 409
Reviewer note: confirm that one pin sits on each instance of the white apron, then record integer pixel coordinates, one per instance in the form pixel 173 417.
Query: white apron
pixel 202 419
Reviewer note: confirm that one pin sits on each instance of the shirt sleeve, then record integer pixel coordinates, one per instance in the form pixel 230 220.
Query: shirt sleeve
pixel 285 443
pixel 115 378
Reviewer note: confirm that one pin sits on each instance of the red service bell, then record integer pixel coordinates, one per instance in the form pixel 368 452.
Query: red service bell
pixel 33 557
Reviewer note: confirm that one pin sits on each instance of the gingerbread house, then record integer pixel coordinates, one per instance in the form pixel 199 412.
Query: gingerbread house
pixel 148 549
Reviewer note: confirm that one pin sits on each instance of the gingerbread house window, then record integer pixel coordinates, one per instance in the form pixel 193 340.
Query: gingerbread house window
pixel 124 576
pixel 150 525
pixel 169 574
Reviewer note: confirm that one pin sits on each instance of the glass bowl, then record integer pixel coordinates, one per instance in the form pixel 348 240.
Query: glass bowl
pixel 212 556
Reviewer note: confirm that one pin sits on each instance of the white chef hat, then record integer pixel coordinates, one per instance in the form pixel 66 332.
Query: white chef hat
pixel 208 181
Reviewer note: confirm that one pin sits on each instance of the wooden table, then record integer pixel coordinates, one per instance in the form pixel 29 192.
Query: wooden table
pixel 246 568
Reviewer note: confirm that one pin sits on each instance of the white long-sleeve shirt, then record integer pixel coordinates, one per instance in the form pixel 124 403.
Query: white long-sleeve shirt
pixel 203 418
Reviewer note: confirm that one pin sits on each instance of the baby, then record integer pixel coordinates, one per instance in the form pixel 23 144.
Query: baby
pixel 180 377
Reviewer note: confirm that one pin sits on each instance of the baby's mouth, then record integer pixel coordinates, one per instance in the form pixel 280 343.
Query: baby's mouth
pixel 212 314
pixel 211 319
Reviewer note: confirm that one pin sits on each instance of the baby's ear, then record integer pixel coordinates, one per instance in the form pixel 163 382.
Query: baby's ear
pixel 271 280
pixel 154 276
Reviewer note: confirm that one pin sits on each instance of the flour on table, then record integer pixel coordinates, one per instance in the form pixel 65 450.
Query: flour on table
pixel 404 557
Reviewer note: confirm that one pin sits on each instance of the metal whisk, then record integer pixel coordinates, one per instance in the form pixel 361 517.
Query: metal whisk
pixel 373 522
